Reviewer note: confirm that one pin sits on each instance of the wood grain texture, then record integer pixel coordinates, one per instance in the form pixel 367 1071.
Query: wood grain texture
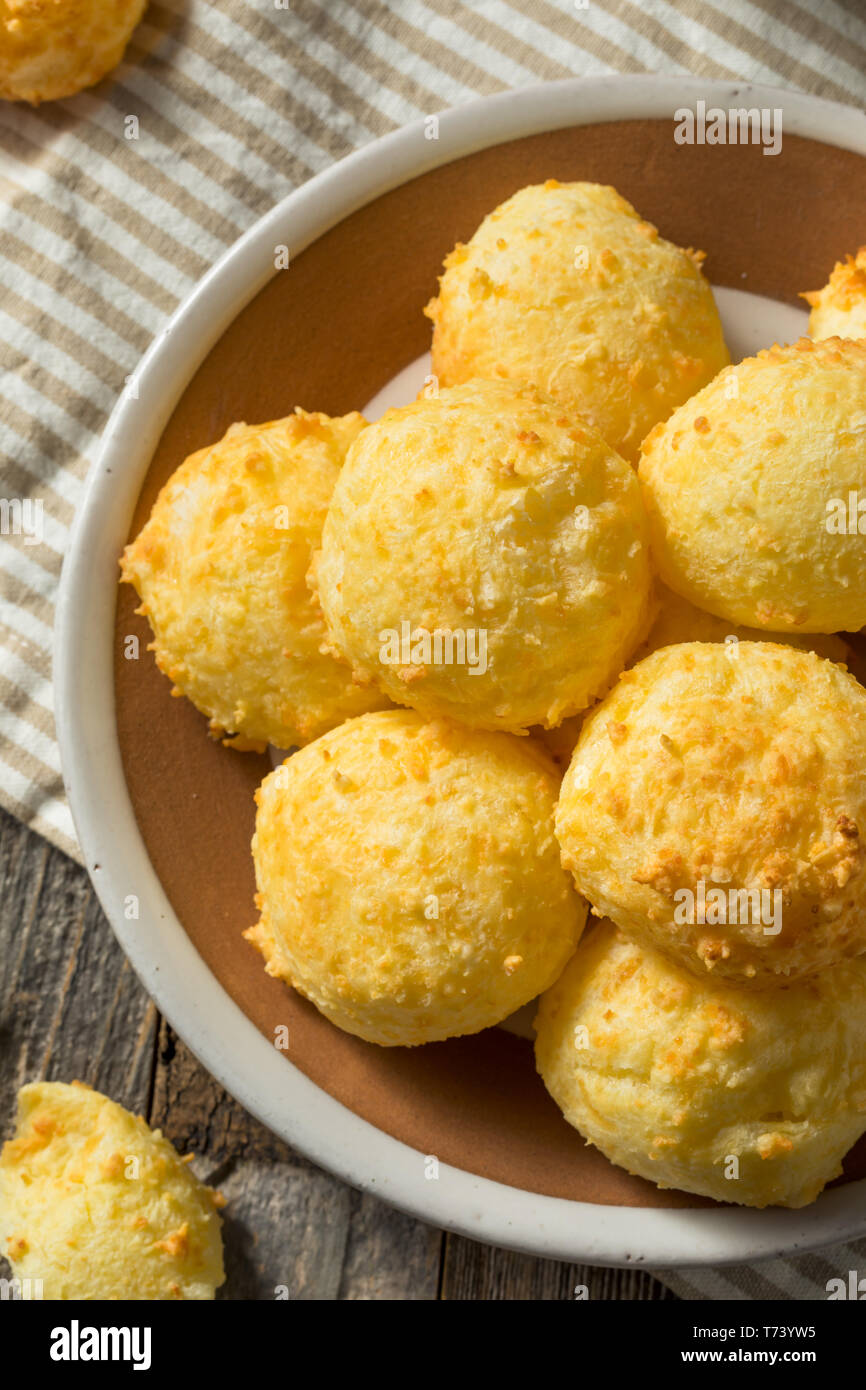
pixel 71 1008
pixel 473 1271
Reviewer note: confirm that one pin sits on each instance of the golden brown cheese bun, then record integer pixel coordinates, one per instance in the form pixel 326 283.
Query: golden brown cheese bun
pixel 55 48
pixel 98 1206
pixel 715 807
pixel 566 286
pixel 742 1095
pixel 409 879
pixel 748 489
pixel 488 519
pixel 839 309
pixel 221 568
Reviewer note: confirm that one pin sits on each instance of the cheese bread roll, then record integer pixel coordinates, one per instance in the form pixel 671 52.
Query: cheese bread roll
pixel 715 807
pixel 484 558
pixel 221 568
pixel 744 1096
pixel 839 309
pixel 55 48
pixel 756 491
pixel 566 286
pixel 98 1206
pixel 409 879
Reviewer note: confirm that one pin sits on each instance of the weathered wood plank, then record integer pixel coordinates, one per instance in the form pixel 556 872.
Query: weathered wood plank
pixel 472 1271
pixel 388 1255
pixel 70 1007
pixel 291 1230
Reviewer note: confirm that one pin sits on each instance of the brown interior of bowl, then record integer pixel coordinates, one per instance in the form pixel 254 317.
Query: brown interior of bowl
pixel 327 334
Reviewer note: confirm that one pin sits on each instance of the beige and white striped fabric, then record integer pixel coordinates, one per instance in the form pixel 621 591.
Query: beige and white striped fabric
pixel 106 223
pixel 812 1277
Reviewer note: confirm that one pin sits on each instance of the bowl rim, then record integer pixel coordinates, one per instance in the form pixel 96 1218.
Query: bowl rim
pixel 211 1024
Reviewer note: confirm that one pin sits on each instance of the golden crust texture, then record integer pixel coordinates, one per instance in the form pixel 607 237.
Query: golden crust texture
pixel 679 621
pixel 487 513
pixel 409 879
pixel 675 620
pixel 221 568
pixel 744 1096
pixel 564 285
pixel 715 808
pixel 98 1206
pixel 839 309
pixel 748 489
pixel 55 48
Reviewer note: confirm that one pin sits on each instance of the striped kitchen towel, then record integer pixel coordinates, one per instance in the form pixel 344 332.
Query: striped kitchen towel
pixel 837 1273
pixel 236 103
pixel 108 223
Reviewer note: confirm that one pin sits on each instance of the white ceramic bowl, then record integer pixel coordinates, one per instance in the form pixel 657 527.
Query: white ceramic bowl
pixel 212 1025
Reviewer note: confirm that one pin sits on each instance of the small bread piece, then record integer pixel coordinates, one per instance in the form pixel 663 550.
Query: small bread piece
pixel 409 879
pixel 748 488
pixel 565 285
pixel 839 309
pixel 488 518
pixel 715 807
pixel 221 568
pixel 745 1096
pixel 55 48
pixel 98 1206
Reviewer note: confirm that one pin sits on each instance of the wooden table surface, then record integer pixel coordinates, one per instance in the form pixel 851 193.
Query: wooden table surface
pixel 72 1009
